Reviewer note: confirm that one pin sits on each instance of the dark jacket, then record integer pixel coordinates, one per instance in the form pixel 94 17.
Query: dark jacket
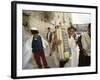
pixel 37 44
pixel 50 37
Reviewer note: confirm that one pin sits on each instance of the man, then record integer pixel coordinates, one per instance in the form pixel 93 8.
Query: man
pixel 72 32
pixel 72 39
pixel 49 35
pixel 86 45
pixel 55 42
pixel 38 45
pixel 58 47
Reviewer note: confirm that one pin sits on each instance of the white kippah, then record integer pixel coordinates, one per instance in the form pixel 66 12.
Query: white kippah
pixel 34 28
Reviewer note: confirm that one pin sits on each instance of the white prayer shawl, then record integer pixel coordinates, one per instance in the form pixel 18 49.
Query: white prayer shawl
pixel 86 43
pixel 27 52
pixel 74 51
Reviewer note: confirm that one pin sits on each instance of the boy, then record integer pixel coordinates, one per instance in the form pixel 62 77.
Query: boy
pixel 38 45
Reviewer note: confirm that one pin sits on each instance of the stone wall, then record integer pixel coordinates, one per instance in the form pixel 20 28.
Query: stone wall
pixel 42 20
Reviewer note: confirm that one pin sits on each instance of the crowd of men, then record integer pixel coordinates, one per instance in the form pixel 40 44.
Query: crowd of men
pixel 80 47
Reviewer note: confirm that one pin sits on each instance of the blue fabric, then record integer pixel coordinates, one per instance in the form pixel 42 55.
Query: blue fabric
pixel 37 44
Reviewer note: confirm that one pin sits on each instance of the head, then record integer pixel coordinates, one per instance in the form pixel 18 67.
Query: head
pixel 71 30
pixel 49 29
pixel 34 31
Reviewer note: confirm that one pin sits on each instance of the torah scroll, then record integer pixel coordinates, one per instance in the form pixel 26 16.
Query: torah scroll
pixel 63 48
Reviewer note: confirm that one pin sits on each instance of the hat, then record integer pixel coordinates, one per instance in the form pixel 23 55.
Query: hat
pixel 34 28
